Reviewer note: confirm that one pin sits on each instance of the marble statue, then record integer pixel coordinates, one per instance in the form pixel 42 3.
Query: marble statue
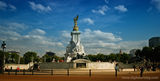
pixel 75 49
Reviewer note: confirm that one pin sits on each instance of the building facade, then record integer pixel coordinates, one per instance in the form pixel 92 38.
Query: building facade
pixel 154 42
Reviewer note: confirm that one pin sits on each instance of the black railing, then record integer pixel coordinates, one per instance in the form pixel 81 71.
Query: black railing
pixel 50 72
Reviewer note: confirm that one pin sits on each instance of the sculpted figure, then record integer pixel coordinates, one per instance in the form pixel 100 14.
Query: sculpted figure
pixel 76 19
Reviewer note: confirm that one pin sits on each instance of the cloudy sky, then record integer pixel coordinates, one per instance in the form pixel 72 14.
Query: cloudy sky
pixel 106 25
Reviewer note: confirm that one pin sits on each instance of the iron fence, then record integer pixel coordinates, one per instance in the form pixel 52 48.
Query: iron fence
pixel 51 72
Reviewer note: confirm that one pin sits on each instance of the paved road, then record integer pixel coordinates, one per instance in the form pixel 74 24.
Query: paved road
pixel 122 76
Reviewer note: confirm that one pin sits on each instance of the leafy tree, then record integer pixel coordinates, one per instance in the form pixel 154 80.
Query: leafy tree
pixel 147 53
pixel 1 61
pixel 138 53
pixel 112 57
pixel 101 57
pixel 156 53
pixel 49 58
pixel 124 58
pixel 92 57
pixel 29 56
pixel 11 57
pixel 37 59
pixel 22 60
pixel 118 57
pixel 150 54
pixel 14 57
pixel 61 58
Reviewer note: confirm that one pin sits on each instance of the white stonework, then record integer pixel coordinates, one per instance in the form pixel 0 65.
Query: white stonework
pixel 21 66
pixel 74 48
pixel 101 65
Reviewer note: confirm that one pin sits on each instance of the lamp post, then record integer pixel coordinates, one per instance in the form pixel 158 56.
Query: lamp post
pixel 3 46
pixel 19 59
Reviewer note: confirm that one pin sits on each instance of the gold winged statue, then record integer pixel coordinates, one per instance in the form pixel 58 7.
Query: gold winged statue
pixel 75 24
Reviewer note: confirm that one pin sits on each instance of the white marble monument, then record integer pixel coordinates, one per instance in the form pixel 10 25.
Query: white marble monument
pixel 75 49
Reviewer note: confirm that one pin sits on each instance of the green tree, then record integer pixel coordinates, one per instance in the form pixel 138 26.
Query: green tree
pixel 112 57
pixel 11 57
pixel 1 61
pixel 156 55
pixel 138 53
pixel 124 58
pixel 14 57
pixel 22 60
pixel 92 57
pixel 49 58
pixel 29 56
pixel 118 57
pixel 101 57
pixel 147 53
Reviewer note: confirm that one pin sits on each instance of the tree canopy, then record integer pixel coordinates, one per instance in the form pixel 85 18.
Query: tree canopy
pixel 112 57
pixel 30 56
pixel 150 54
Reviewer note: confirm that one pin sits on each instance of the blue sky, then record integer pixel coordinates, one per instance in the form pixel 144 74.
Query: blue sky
pixel 106 25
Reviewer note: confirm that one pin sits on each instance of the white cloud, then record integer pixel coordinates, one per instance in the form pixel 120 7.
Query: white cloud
pixel 99 35
pixel 37 32
pixel 128 45
pixel 102 44
pixel 132 44
pixel 96 41
pixel 121 8
pixel 156 3
pixel 34 40
pixel 66 34
pixel 11 27
pixel 101 10
pixel 37 36
pixel 88 20
pixel 39 7
pixel 4 6
pixel 12 7
pixel 16 26
pixel 106 1
pixel 11 35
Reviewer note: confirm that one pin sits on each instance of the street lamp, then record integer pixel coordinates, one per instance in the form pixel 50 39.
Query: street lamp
pixel 3 46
